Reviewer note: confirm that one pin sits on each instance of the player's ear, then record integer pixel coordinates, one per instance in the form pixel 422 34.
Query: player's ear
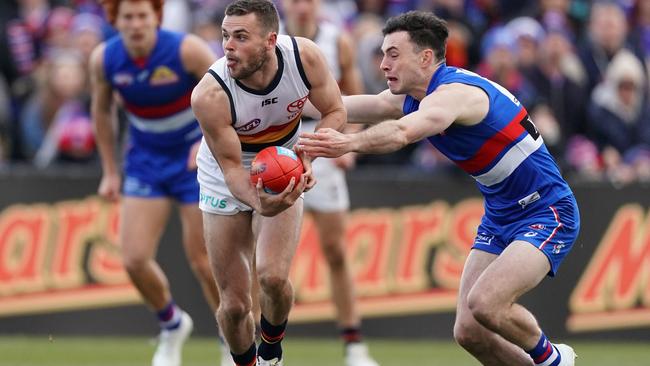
pixel 271 40
pixel 427 57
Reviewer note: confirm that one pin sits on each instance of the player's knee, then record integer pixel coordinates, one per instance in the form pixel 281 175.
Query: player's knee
pixel 233 310
pixel 483 309
pixel 334 255
pixel 468 335
pixel 134 263
pixel 272 283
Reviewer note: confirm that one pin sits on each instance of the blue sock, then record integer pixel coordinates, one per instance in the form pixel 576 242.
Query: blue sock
pixel 170 316
pixel 545 353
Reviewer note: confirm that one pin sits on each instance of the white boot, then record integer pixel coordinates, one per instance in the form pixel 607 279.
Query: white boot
pixel 273 362
pixel 356 354
pixel 568 355
pixel 170 343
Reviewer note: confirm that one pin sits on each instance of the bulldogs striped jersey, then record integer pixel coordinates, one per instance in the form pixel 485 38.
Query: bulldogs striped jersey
pixel 271 116
pixel 156 92
pixel 504 152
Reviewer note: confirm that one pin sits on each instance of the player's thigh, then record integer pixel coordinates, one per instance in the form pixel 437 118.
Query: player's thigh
pixel 516 271
pixel 142 223
pixel 476 263
pixel 229 242
pixel 331 228
pixel 277 240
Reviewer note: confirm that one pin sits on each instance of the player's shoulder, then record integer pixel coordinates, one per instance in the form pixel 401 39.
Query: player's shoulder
pixel 308 50
pixel 208 91
pixel 96 61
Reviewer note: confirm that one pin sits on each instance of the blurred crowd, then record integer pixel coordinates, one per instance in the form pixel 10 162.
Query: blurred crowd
pixel 580 67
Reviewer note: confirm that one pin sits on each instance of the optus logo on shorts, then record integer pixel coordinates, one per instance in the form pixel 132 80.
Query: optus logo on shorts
pixel 214 202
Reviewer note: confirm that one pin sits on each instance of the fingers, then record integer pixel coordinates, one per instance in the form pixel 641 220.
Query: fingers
pixel 310 182
pixel 321 134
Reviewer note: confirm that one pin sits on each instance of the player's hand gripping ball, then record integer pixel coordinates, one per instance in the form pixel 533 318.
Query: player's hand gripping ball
pixel 276 165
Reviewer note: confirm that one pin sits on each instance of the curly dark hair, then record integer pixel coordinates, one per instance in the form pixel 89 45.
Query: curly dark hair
pixel 265 11
pixel 425 29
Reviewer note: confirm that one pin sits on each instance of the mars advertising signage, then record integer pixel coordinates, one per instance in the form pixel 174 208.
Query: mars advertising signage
pixel 60 256
pixel 406 242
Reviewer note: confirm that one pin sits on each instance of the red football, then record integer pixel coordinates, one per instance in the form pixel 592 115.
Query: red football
pixel 276 165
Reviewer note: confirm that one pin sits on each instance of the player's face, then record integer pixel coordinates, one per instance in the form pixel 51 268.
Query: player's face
pixel 301 12
pixel 400 63
pixel 245 44
pixel 137 22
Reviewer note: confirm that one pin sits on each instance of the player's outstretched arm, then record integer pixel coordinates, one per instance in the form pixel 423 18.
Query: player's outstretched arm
pixel 437 111
pixel 101 94
pixel 373 109
pixel 367 108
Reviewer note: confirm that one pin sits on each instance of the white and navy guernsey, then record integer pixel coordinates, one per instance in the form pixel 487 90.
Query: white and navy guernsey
pixel 271 116
pixel 156 92
pixel 504 152
pixel 327 39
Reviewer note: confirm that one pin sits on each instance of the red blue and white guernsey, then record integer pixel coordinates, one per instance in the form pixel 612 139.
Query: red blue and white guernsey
pixel 162 128
pixel 156 92
pixel 504 152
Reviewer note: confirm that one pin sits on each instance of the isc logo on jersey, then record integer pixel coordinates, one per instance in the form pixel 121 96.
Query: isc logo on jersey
pixel 163 75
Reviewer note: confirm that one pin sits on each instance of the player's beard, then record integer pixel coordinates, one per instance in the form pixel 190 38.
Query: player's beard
pixel 253 66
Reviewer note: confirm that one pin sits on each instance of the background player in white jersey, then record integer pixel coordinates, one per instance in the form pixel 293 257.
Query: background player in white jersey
pixel 328 201
pixel 154 72
pixel 531 217
pixel 253 98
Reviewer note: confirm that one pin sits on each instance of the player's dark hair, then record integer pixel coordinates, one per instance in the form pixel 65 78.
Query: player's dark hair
pixel 425 30
pixel 265 11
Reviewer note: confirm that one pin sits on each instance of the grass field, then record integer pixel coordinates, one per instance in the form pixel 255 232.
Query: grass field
pixel 34 351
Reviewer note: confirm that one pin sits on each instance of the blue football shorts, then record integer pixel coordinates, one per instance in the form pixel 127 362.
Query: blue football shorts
pixel 552 229
pixel 150 173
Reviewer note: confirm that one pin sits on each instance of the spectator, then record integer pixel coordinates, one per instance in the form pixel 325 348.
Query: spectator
pixel 559 112
pixel 640 34
pixel 57 33
pixel 55 124
pixel 500 66
pixel 528 34
pixel 606 36
pixel 86 34
pixel 619 116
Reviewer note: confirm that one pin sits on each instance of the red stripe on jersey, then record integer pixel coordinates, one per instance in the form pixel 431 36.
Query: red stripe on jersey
pixel 493 146
pixel 161 111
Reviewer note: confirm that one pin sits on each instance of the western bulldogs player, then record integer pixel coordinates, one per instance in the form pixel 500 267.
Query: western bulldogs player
pixel 153 72
pixel 531 217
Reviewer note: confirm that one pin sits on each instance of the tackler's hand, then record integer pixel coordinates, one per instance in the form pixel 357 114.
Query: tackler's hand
pixel 325 142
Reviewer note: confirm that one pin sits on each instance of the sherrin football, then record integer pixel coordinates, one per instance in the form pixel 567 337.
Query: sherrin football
pixel 276 165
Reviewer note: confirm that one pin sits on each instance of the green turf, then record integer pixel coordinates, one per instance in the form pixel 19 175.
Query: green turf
pixel 96 351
